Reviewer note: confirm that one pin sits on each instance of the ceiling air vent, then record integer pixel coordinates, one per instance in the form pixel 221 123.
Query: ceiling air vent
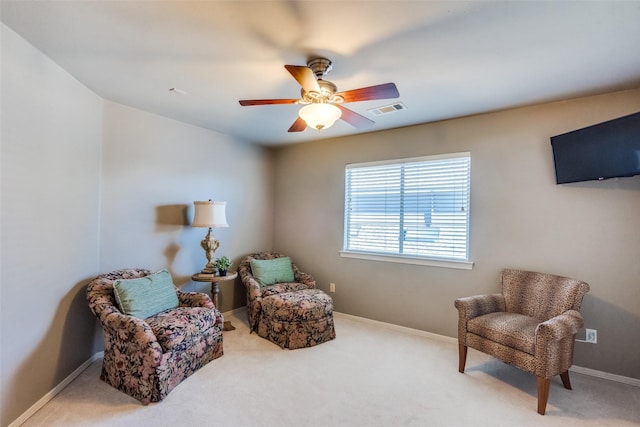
pixel 391 108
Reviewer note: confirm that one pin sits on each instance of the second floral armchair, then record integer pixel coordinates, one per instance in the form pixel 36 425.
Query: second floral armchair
pixel 283 304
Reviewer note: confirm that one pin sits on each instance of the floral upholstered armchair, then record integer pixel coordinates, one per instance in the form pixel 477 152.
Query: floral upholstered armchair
pixel 531 325
pixel 148 357
pixel 285 307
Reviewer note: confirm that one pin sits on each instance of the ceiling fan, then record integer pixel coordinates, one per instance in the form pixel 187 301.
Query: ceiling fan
pixel 322 103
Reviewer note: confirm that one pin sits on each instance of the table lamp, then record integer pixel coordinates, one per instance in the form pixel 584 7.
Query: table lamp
pixel 209 214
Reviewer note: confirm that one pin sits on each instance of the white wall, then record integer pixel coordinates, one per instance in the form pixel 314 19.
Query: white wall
pixel 89 186
pixel 51 136
pixel 519 219
pixel 153 170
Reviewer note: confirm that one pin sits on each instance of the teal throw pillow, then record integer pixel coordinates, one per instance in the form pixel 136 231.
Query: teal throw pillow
pixel 270 271
pixel 145 296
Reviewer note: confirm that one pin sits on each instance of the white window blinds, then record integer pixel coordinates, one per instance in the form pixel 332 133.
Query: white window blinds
pixel 414 207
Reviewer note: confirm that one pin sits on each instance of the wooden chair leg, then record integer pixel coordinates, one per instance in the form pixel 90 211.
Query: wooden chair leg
pixel 565 380
pixel 543 393
pixel 462 357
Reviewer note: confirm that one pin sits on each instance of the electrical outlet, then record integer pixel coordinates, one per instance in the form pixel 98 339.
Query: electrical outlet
pixel 591 336
pixel 332 287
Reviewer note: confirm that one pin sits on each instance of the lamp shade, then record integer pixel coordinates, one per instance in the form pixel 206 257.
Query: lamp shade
pixel 320 116
pixel 210 214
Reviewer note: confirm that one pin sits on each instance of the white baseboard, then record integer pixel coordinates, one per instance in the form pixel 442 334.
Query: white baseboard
pixel 403 329
pixel 606 375
pixel 57 389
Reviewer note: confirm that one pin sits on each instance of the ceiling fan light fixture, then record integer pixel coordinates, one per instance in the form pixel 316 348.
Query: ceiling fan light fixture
pixel 323 104
pixel 320 116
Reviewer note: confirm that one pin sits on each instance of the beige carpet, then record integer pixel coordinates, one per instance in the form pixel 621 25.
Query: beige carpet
pixel 371 375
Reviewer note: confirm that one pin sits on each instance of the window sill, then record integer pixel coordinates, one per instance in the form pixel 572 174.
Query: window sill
pixel 461 265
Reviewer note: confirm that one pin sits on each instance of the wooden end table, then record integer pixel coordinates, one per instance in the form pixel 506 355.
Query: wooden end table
pixel 215 289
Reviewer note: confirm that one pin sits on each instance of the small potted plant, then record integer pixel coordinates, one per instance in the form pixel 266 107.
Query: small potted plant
pixel 222 264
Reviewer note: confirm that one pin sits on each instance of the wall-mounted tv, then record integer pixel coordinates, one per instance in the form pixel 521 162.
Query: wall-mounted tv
pixel 606 150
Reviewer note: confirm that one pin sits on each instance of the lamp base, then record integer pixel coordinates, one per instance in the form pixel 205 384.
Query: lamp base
pixel 209 244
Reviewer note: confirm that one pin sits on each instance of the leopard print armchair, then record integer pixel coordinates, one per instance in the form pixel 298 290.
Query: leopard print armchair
pixel 531 325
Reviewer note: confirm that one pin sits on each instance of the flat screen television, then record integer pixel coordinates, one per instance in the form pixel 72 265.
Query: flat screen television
pixel 607 150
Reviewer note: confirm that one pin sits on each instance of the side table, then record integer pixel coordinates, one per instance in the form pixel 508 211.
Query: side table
pixel 215 289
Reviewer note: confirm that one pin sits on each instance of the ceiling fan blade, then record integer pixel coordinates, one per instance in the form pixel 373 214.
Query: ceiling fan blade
pixel 304 76
pixel 248 102
pixel 383 91
pixel 354 119
pixel 298 126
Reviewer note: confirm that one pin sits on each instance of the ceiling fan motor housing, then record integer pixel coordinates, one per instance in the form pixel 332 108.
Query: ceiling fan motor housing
pixel 320 67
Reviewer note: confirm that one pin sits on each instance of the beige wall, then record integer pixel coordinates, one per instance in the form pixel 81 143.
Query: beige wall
pixel 519 218
pixel 89 186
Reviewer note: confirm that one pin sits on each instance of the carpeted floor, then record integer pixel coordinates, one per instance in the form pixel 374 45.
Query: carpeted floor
pixel 371 375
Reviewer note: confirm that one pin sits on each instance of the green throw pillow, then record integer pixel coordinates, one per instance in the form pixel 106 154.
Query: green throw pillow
pixel 145 296
pixel 270 271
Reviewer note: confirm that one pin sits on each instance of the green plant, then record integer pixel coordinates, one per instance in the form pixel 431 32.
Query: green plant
pixel 222 263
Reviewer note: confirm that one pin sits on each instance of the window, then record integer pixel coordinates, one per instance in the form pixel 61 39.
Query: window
pixel 410 209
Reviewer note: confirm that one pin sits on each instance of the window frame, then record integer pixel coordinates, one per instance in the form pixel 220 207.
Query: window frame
pixel 457 263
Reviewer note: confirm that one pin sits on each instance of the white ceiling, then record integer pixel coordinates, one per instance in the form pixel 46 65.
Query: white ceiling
pixel 447 58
